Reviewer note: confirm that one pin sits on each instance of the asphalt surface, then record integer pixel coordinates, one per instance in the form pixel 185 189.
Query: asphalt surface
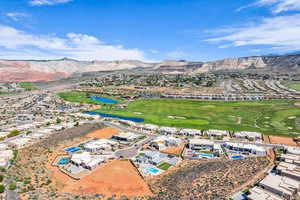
pixel 11 195
pixel 131 151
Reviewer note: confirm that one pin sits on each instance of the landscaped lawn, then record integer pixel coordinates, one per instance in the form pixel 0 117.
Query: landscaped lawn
pixel 295 86
pixel 28 86
pixel 269 117
pixel 164 166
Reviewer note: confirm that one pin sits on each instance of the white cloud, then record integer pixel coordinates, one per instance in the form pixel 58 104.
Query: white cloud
pixel 176 54
pixel 282 32
pixel 47 2
pixel 153 51
pixel 13 43
pixel 16 16
pixel 278 6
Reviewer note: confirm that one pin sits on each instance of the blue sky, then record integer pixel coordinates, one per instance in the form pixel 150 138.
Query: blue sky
pixel 149 30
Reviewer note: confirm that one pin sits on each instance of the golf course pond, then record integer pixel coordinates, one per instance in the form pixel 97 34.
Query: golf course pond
pixel 134 119
pixel 104 100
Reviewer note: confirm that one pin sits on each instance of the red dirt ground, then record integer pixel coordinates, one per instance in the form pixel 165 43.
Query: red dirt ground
pixel 282 140
pixel 176 150
pixel 114 178
pixel 103 133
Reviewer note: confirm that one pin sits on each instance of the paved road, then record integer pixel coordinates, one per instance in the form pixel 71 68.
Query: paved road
pixel 11 195
pixel 132 150
pixel 123 128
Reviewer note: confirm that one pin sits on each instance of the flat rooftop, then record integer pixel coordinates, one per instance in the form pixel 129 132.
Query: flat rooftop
pixel 281 183
pixel 258 193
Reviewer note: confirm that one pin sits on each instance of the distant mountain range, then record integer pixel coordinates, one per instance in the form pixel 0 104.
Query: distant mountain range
pixel 48 70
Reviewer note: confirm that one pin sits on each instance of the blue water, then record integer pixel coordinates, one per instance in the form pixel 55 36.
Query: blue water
pixel 153 170
pixel 133 119
pixel 73 149
pixel 206 155
pixel 237 157
pixel 103 100
pixel 63 161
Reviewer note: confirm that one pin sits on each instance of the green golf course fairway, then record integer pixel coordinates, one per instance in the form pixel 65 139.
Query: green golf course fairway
pixel 295 86
pixel 269 117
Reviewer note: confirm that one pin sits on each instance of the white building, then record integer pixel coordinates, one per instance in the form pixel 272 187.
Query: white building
pixel 289 170
pixel 86 160
pixel 99 145
pixel 148 127
pixel 282 186
pixel 20 142
pixel 293 150
pixel 190 132
pixel 248 135
pixel 126 137
pixel 201 144
pixel 162 142
pixel 3 147
pixel 258 193
pixel 168 130
pixel 291 158
pixel 217 133
pixel 5 156
pixel 245 148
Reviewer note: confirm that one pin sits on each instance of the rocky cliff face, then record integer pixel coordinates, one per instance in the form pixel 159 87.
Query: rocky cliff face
pixel 233 64
pixel 54 69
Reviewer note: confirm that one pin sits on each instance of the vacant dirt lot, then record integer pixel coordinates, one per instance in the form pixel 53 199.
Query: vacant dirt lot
pixel 282 140
pixel 176 150
pixel 208 180
pixel 114 178
pixel 103 133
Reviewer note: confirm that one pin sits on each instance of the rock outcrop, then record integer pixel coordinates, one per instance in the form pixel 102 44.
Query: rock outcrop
pixel 47 70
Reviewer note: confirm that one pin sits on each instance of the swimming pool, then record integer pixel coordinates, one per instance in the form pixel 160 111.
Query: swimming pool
pixel 103 100
pixel 153 171
pixel 133 119
pixel 237 157
pixel 63 161
pixel 206 155
pixel 72 149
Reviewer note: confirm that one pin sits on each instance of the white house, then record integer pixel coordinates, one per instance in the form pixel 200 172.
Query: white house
pixel 99 145
pixel 282 186
pixel 245 148
pixel 126 137
pixel 201 144
pixel 248 135
pixel 190 132
pixel 162 142
pixel 217 133
pixel 86 160
pixel 5 156
pixel 168 130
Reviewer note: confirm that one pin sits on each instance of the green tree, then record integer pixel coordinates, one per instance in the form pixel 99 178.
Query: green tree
pixel 13 133
pixel 2 188
pixel 1 178
pixel 58 120
pixel 12 186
